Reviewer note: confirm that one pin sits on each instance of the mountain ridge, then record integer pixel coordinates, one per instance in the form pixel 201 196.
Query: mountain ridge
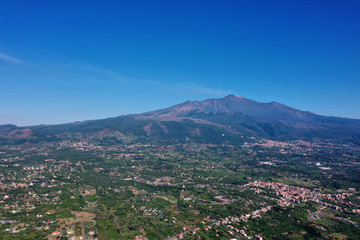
pixel 232 103
pixel 226 119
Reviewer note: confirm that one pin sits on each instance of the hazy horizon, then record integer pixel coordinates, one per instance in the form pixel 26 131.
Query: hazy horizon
pixel 104 117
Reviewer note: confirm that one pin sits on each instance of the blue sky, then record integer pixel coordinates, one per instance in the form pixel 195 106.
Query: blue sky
pixel 64 61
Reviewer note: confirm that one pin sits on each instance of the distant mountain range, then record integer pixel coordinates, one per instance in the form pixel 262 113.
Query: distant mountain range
pixel 231 119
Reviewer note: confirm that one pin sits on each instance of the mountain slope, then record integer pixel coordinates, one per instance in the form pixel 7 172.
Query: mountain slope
pixel 261 113
pixel 266 112
pixel 226 120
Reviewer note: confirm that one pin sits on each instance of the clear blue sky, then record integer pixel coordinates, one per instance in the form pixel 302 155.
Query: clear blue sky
pixel 63 61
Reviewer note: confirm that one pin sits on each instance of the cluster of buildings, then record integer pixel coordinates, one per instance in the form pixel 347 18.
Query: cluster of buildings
pixel 289 195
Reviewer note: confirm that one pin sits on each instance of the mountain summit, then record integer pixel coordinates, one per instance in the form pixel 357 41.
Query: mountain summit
pixel 264 112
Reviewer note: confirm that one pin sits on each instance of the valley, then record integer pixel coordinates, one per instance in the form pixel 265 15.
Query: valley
pixel 190 191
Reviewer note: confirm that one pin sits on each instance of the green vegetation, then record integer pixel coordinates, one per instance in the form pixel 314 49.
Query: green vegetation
pixel 110 189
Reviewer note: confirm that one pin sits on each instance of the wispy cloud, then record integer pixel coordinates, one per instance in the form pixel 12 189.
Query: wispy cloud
pixel 69 72
pixel 9 59
pixel 195 89
pixel 184 87
pixel 198 89
pixel 92 74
